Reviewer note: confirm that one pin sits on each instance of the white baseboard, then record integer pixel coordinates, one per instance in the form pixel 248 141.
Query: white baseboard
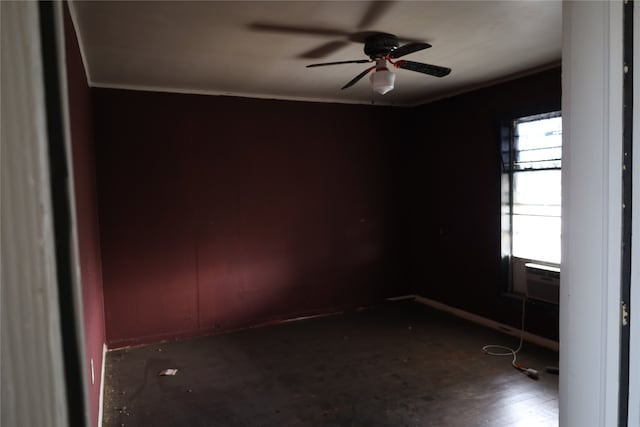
pixel 402 298
pixel 501 327
pixel 101 400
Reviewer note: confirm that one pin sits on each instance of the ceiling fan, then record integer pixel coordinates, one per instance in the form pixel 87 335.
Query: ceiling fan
pixel 383 48
pixel 341 38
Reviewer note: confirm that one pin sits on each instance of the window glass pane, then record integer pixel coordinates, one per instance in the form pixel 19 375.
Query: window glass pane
pixel 536 189
pixel 529 157
pixel 505 213
pixel 537 192
pixel 538 144
pixel 536 215
pixel 537 237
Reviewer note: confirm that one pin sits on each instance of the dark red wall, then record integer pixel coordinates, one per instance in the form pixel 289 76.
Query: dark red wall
pixel 220 212
pixel 80 110
pixel 456 172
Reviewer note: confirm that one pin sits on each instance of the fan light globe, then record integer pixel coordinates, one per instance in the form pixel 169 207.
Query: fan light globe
pixel 382 80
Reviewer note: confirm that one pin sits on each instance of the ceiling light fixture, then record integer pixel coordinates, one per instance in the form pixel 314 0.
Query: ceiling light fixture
pixel 382 48
pixel 382 79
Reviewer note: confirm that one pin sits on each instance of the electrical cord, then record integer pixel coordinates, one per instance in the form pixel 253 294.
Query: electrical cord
pixel 494 350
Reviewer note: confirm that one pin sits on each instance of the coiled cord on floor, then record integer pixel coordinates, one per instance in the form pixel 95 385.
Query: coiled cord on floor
pixel 501 350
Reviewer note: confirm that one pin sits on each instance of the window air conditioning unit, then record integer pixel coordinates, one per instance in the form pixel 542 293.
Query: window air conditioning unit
pixel 543 282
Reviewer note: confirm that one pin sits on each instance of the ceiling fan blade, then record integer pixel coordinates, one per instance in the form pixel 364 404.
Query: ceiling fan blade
pixel 374 12
pixel 358 77
pixel 409 48
pixel 355 61
pixel 324 50
pixel 432 70
pixel 288 29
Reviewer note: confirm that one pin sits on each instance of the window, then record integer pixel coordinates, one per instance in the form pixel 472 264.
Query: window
pixel 531 190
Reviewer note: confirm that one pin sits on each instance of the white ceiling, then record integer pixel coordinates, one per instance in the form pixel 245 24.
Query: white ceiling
pixel 260 48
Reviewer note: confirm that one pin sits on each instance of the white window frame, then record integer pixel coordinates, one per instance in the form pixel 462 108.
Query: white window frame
pixel 515 267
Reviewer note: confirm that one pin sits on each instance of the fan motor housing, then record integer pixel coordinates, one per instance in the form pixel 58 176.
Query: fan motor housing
pixel 382 44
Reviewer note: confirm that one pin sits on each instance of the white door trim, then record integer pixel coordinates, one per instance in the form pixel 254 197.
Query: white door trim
pixel 634 368
pixel 591 179
pixel 33 383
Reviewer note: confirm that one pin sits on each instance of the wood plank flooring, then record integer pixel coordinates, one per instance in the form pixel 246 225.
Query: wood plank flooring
pixel 398 364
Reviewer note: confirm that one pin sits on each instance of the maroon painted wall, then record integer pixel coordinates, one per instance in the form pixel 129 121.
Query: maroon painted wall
pixel 80 111
pixel 219 212
pixel 456 172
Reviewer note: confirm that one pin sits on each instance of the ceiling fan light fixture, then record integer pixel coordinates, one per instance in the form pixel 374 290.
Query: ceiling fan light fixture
pixel 382 80
pixel 383 47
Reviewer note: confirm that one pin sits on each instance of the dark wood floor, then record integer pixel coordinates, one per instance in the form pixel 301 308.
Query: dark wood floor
pixel 400 364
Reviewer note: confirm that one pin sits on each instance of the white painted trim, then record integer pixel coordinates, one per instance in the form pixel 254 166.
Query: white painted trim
pixel 213 92
pixel 492 324
pixel 612 213
pixel 32 390
pixel 313 316
pixel 494 82
pixel 101 401
pixel 379 102
pixel 634 356
pixel 402 298
pixel 239 329
pixel 591 217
